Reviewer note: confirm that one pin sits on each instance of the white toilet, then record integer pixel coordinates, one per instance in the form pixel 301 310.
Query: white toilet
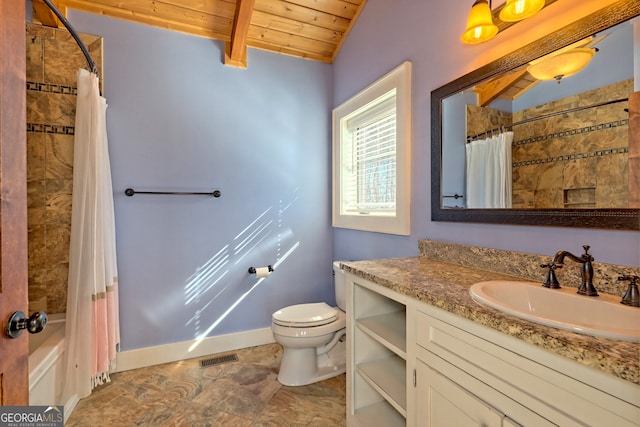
pixel 313 338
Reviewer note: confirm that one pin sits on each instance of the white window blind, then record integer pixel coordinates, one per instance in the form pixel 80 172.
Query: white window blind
pixel 370 160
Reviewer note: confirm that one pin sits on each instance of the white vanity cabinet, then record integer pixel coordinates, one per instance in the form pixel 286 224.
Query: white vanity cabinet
pixel 410 363
pixel 376 355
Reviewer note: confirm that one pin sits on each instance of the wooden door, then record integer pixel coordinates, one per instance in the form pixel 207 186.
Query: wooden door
pixel 14 378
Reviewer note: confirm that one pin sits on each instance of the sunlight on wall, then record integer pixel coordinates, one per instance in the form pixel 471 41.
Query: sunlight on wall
pixel 200 282
pixel 253 238
pixel 265 232
pixel 238 301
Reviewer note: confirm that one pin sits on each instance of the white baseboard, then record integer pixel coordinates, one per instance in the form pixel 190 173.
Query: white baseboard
pixel 69 406
pixel 149 356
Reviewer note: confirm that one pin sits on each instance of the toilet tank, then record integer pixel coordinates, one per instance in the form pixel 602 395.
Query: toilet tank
pixel 340 283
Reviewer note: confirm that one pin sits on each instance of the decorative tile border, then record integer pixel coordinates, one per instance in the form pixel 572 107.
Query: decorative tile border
pixel 585 129
pixel 598 153
pixel 52 88
pixel 53 129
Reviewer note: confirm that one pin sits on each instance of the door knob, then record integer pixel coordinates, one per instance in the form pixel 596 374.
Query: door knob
pixel 18 321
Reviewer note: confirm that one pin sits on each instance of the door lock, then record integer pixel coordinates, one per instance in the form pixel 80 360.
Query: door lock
pixel 18 322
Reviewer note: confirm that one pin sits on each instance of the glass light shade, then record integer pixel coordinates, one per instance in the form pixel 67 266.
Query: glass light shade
pixel 517 10
pixel 561 65
pixel 480 26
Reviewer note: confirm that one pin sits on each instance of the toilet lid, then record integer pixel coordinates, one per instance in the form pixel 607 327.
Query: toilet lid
pixel 314 314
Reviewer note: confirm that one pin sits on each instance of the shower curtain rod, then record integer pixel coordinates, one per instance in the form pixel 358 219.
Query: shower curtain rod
pixel 546 116
pixel 92 64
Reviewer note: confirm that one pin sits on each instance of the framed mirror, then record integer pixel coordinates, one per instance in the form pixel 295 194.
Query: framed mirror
pixel 568 139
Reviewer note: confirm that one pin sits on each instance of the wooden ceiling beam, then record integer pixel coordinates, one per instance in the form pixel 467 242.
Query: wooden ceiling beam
pixel 493 89
pixel 524 86
pixel 236 49
pixel 45 15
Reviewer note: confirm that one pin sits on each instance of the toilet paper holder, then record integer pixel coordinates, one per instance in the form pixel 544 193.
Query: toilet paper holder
pixel 252 270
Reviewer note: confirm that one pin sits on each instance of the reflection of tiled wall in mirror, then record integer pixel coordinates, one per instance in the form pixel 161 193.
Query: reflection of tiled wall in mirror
pixel 573 160
pixel 577 159
pixel 482 120
pixel 53 60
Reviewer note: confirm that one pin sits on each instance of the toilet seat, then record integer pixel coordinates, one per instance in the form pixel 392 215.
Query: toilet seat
pixel 305 315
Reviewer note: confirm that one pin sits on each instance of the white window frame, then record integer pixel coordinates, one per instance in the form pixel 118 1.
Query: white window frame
pixel 398 223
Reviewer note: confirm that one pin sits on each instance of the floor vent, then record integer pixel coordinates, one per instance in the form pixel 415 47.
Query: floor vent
pixel 218 360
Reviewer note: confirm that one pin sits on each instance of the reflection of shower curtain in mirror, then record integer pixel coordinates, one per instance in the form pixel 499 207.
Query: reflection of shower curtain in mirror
pixel 489 172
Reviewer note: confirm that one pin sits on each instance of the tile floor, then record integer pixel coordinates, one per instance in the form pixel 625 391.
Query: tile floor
pixel 237 393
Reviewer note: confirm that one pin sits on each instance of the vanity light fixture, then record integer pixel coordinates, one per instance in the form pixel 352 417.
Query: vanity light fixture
pixel 480 26
pixel 561 64
pixel 517 10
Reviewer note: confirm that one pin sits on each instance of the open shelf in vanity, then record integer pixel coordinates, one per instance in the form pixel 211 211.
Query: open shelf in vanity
pixel 379 365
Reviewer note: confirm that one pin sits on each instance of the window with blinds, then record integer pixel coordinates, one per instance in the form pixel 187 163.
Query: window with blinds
pixel 369 160
pixel 371 157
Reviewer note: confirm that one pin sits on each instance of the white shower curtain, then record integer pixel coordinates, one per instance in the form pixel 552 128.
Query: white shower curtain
pixel 489 174
pixel 92 325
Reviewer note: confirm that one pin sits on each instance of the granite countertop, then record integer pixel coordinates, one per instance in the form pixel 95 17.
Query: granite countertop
pixel 446 285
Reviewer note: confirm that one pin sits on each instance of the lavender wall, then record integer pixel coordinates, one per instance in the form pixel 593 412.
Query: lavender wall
pixel 178 119
pixel 428 34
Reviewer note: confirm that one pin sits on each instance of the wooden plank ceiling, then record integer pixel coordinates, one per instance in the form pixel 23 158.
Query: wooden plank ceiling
pixel 310 29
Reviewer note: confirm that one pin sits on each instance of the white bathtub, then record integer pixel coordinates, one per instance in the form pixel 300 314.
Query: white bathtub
pixel 46 362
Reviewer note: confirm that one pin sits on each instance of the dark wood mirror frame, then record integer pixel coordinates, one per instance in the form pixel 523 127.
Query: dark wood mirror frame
pixel 620 219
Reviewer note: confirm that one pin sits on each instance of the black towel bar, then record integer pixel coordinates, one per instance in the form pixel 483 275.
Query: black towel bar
pixel 215 193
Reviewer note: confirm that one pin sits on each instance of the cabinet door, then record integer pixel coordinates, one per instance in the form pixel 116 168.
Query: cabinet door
pixel 442 403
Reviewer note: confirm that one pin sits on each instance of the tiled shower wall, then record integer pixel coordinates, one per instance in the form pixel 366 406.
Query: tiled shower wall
pixel 53 59
pixel 574 160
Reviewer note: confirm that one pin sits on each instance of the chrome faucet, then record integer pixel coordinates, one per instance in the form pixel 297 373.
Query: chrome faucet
pixel 586 269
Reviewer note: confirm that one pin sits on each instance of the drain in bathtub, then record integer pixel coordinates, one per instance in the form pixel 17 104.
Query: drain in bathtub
pixel 218 360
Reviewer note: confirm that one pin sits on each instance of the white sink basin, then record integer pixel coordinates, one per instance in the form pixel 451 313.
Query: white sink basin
pixel 601 316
